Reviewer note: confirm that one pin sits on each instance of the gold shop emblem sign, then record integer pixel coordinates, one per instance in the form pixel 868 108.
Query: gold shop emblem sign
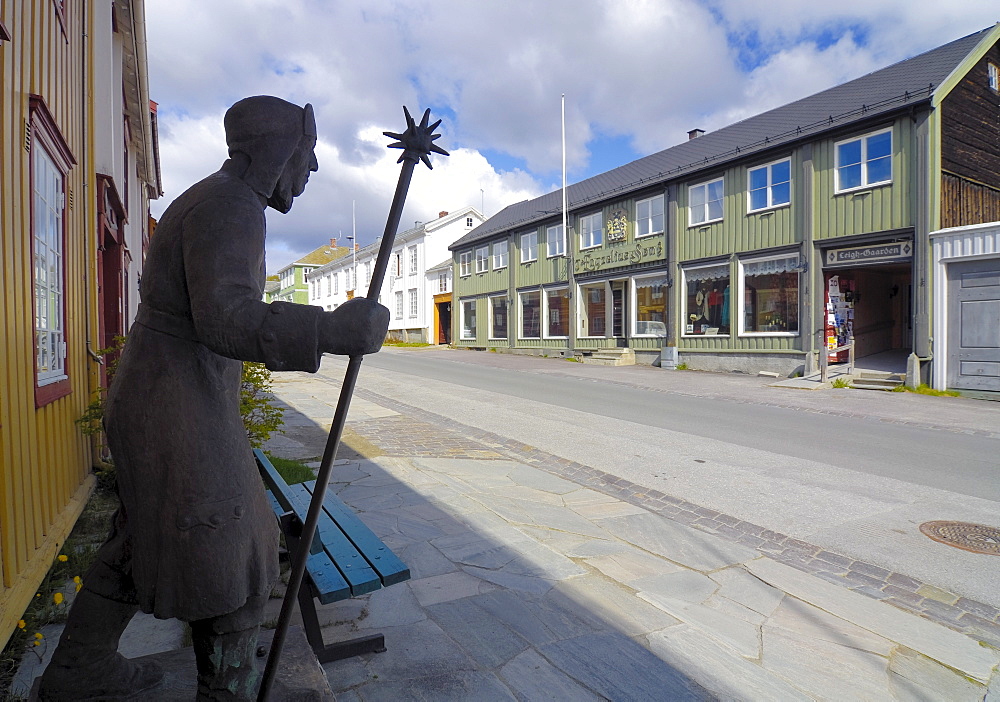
pixel 616 226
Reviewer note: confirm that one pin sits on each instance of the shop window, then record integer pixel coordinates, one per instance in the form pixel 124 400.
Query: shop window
pixel 482 259
pixel 650 307
pixel 557 313
pixel 399 304
pixel 469 319
pixel 531 314
pixel 649 217
pixel 50 162
pixel 413 302
pixel 529 247
pixel 593 309
pixel 591 231
pixel 706 300
pixel 705 202
pixel 555 239
pixel 770 296
pixel 865 161
pixel 500 254
pixel 770 185
pixel 465 263
pixel 498 317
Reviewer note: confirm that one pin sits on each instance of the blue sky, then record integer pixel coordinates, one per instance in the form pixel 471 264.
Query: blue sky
pixel 637 75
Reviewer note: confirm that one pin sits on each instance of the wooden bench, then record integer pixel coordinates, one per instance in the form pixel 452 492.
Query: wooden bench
pixel 346 558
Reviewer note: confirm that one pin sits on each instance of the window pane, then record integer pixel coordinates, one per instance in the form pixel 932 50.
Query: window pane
pixel 531 315
pixel 879 145
pixel 697 196
pixel 715 191
pixel 781 172
pixel 557 307
pixel 499 318
pixel 758 199
pixel 469 319
pixel 650 308
pixel 715 209
pixel 771 302
pixel 781 194
pixel 707 304
pixel 758 178
pixel 849 153
pixel 592 321
pixel 880 170
pixel 850 177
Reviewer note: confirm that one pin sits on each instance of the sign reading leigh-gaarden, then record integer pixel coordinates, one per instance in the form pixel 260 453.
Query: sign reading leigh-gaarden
pixel 640 252
pixel 874 253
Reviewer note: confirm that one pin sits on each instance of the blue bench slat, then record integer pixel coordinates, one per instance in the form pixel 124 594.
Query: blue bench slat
pixel 389 567
pixel 295 498
pixel 328 585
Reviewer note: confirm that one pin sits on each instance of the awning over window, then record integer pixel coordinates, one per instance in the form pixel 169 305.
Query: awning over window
pixel 706 273
pixel 770 266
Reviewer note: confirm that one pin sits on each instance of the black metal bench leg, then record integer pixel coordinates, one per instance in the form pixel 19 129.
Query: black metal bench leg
pixel 326 653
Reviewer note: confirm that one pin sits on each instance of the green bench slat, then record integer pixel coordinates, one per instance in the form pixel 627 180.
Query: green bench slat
pixel 388 566
pixel 327 583
pixel 295 498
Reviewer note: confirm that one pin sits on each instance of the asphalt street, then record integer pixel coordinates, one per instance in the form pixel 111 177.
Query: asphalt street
pixel 848 470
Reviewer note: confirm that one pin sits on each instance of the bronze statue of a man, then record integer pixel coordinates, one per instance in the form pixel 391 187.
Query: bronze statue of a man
pixel 194 537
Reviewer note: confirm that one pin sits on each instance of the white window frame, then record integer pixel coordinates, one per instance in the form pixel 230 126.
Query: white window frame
pixel 465 264
pixel 865 183
pixel 399 304
pixel 336 283
pixel 650 218
pixel 482 259
pixel 741 295
pixel 529 247
pixel 634 304
pixel 591 236
pixel 462 326
pixel 443 281
pixel 397 264
pixel 468 222
pixel 683 304
pixel 545 312
pixel 412 255
pixel 414 307
pixel 501 250
pixel 48 183
pixel 520 312
pixel 555 241
pixel 492 333
pixel 993 76
pixel 768 189
pixel 582 301
pixel 706 207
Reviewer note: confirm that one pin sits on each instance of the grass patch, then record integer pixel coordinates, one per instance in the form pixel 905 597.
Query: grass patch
pixel 292 471
pixel 841 383
pixel 923 389
pixel 681 366
pixel 405 344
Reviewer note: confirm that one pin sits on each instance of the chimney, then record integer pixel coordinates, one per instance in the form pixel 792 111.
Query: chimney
pixel 357 247
pixel 695 133
pixel 333 242
pixel 442 213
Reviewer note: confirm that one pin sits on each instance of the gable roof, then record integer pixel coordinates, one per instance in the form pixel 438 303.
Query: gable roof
pixel 322 255
pixel 879 93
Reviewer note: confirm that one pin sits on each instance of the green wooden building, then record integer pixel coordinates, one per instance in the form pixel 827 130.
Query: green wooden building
pixel 758 246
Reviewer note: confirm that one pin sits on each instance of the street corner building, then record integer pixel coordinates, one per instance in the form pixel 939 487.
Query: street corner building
pixel 867 214
pixel 79 167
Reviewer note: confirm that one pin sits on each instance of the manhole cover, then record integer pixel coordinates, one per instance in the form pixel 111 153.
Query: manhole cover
pixel 977 538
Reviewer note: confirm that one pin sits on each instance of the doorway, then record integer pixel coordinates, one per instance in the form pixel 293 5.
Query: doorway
pixel 973 333
pixel 444 323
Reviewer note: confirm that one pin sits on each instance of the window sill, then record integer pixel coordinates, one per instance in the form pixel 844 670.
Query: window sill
pixel 769 333
pixel 705 225
pixel 50 392
pixel 769 210
pixel 646 236
pixel 863 189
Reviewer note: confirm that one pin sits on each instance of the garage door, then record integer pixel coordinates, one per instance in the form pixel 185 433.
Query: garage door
pixel 974 327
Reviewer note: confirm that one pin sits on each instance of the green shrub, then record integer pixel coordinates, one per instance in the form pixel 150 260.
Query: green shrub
pixel 262 416
pixel 841 383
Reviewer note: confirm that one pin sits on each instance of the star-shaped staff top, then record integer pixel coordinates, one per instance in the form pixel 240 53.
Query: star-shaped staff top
pixel 417 141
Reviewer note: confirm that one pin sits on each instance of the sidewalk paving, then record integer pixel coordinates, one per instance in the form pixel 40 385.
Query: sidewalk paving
pixel 534 578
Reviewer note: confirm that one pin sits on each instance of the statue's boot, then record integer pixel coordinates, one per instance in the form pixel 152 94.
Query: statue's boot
pixel 86 664
pixel 227 662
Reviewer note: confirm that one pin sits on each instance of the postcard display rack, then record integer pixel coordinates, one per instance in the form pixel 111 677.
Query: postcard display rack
pixel 840 299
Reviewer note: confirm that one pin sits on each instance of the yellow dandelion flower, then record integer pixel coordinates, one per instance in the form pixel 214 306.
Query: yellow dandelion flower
pixel 77 579
pixel 39 636
pixel 78 586
pixel 21 624
pixel 63 558
pixel 36 643
pixel 57 598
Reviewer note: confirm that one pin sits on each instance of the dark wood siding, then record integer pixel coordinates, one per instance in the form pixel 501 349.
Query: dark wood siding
pixel 970 126
pixel 964 202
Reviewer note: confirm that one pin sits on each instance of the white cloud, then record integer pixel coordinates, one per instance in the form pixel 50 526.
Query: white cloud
pixel 645 70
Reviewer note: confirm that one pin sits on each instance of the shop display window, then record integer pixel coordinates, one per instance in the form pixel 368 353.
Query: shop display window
pixel 557 312
pixel 531 314
pixel 498 318
pixel 771 296
pixel 706 301
pixel 650 307
pixel 593 309
pixel 468 319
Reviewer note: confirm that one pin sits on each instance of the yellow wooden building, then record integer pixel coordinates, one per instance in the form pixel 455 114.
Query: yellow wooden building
pixel 78 165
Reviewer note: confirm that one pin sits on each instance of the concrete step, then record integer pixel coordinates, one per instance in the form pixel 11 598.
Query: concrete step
pixel 888 383
pixel 611 357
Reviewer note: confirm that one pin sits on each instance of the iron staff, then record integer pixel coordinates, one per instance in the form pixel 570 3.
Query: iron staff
pixel 417 143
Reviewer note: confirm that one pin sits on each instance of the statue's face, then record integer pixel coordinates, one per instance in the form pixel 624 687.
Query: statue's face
pixel 292 181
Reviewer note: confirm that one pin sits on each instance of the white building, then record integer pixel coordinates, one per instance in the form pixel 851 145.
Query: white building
pixel 407 290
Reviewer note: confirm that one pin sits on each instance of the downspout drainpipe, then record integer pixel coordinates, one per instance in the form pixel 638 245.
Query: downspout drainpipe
pixel 85 160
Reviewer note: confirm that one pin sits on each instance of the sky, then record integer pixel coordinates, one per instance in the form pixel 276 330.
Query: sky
pixel 637 75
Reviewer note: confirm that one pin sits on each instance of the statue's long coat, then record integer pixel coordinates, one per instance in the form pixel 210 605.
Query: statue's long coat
pixel 202 536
